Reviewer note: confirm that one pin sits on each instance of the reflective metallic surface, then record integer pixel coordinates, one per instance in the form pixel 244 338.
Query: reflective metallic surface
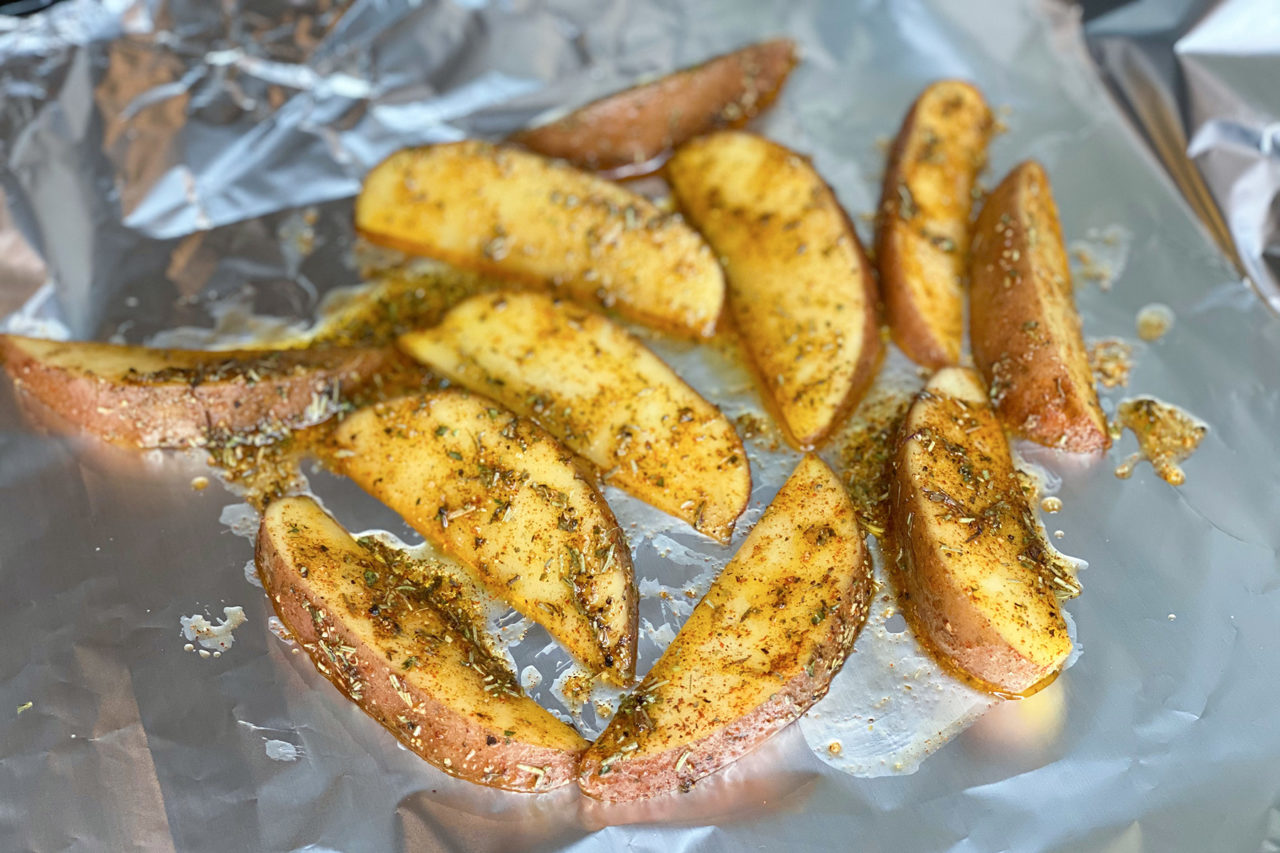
pixel 189 164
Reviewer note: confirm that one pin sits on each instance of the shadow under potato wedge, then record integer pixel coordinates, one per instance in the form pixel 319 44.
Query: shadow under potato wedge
pixel 520 216
pixel 979 585
pixel 922 227
pixel 502 496
pixel 627 133
pixel 1023 322
pixel 800 288
pixel 603 393
pixel 144 397
pixel 757 651
pixel 402 645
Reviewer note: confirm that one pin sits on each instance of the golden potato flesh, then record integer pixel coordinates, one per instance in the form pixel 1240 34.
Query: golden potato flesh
pixel 801 292
pixel 507 500
pixel 759 649
pixel 517 215
pixel 980 586
pixel 603 393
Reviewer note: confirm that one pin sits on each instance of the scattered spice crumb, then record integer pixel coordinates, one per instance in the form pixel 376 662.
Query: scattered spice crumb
pixel 25 706
pixel 1166 435
pixel 1111 360
pixel 752 426
pixel 865 450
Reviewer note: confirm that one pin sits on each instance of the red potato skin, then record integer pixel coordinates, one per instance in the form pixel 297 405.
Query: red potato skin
pixel 175 413
pixel 657 774
pixel 444 735
pixel 627 134
pixel 1024 326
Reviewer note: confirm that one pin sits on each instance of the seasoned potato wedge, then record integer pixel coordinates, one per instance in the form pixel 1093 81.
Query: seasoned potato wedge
pixel 517 215
pixel 603 393
pixel 627 133
pixel 146 397
pixel 800 289
pixel 505 498
pixel 922 234
pixel 979 584
pixel 1023 321
pixel 401 642
pixel 758 650
pixel 397 302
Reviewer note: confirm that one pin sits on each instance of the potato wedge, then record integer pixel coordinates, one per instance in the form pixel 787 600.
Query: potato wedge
pixel 146 397
pixel 978 583
pixel 800 289
pixel 922 233
pixel 757 651
pixel 400 642
pixel 604 394
pixel 1023 322
pixel 505 498
pixel 517 215
pixel 627 133
pixel 397 302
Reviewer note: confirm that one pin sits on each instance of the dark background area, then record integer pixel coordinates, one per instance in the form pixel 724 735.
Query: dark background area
pixel 1092 8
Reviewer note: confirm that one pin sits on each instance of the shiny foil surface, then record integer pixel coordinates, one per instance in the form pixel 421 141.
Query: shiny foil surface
pixel 190 166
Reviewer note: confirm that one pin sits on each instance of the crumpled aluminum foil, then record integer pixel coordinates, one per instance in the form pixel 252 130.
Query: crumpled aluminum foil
pixel 191 165
pixel 1198 78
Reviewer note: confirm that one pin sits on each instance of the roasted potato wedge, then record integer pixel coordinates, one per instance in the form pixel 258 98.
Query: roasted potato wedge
pixel 978 583
pixel 800 289
pixel 397 302
pixel 922 233
pixel 518 215
pixel 505 498
pixel 603 393
pixel 1023 322
pixel 627 133
pixel 758 650
pixel 401 642
pixel 146 397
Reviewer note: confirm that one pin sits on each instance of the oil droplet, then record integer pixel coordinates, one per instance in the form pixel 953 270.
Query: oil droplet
pixel 835 748
pixel 1051 504
pixel 1058 534
pixel 1154 321
pixel 200 483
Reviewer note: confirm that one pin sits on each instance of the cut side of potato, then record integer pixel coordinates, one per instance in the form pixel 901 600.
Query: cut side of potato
pixel 401 642
pixel 627 133
pixel 922 235
pixel 979 584
pixel 1023 321
pixel 502 496
pixel 397 302
pixel 603 393
pixel 146 397
pixel 801 291
pixel 758 650
pixel 518 215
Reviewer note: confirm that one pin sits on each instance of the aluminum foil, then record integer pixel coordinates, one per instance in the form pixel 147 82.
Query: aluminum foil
pixel 191 165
